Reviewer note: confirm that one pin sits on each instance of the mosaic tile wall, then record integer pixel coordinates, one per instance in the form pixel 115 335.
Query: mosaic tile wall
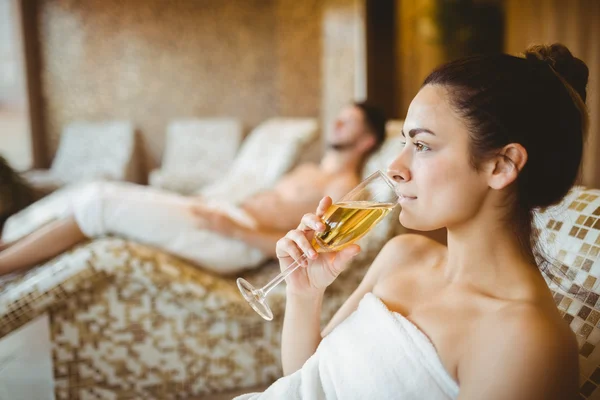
pixel 570 234
pixel 153 60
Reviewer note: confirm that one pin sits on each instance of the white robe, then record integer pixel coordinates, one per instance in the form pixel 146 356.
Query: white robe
pixel 373 354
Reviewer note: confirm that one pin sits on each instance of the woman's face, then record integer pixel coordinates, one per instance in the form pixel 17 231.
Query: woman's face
pixel 438 184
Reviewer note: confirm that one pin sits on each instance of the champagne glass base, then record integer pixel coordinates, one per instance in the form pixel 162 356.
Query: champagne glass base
pixel 255 299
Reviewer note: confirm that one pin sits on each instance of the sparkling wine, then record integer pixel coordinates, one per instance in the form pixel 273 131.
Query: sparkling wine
pixel 347 222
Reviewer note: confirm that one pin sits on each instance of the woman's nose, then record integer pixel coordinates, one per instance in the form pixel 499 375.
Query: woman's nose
pixel 398 171
pixel 399 176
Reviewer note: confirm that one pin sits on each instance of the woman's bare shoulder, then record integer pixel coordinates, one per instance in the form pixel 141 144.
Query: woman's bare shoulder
pixel 408 250
pixel 411 244
pixel 397 253
pixel 530 319
pixel 529 316
pixel 524 343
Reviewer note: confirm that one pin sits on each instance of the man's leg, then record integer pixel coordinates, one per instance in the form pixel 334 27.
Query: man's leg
pixel 126 210
pixel 43 244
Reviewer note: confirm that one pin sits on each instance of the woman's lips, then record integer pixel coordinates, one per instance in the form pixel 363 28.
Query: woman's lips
pixel 404 198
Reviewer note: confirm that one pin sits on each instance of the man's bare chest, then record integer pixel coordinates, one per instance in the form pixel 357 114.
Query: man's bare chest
pixel 303 187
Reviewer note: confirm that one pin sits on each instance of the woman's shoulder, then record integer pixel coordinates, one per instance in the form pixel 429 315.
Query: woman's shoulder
pixel 412 243
pixel 532 321
pixel 407 251
pixel 524 340
pixel 532 314
pixel 410 246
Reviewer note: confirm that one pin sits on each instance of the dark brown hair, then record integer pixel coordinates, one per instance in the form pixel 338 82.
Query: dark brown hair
pixel 375 120
pixel 537 101
pixel 15 193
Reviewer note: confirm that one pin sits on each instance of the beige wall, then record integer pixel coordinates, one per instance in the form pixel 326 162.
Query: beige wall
pixel 576 24
pixel 150 61
pixel 15 138
pixel 11 73
pixel 343 56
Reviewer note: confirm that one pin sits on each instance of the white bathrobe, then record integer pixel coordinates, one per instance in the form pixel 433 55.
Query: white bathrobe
pixel 164 220
pixel 373 354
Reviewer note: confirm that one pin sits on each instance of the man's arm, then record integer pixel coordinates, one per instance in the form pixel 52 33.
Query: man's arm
pixel 266 239
pixel 219 222
pixel 263 239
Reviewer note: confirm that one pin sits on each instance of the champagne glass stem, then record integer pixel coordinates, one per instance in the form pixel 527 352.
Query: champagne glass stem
pixel 282 275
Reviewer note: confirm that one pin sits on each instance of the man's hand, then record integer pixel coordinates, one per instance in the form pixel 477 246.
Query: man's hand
pixel 216 221
pixel 221 223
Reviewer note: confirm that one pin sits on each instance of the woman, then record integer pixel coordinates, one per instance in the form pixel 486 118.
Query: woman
pixel 15 193
pixel 488 140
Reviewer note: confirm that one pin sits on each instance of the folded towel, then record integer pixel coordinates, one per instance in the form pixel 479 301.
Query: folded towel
pixel 373 354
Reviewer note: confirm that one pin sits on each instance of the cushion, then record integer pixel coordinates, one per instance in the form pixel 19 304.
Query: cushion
pixel 197 152
pixel 94 149
pixel 270 150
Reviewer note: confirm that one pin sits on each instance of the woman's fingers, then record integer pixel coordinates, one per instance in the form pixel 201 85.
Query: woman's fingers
pixel 302 242
pixel 324 204
pixel 286 247
pixel 311 222
pixel 314 221
pixel 342 259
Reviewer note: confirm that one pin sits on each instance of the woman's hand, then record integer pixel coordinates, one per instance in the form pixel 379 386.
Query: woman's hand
pixel 320 269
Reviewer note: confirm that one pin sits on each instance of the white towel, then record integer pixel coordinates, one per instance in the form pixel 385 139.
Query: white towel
pixel 373 354
pixel 164 220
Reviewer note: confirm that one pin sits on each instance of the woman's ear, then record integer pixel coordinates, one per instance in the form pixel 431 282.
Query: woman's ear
pixel 506 165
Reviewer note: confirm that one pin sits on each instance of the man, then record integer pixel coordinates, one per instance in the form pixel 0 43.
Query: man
pixel 224 239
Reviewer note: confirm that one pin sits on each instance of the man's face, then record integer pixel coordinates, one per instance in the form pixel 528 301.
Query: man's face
pixel 348 130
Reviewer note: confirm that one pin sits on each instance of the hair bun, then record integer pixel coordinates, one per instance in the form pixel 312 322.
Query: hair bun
pixel 558 56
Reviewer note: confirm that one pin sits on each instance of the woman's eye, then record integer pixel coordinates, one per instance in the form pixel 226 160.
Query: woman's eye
pixel 421 147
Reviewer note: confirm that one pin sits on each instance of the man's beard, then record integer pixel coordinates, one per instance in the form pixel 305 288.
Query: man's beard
pixel 342 146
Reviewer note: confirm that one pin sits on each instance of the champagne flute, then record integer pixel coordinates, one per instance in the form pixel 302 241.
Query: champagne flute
pixel 346 221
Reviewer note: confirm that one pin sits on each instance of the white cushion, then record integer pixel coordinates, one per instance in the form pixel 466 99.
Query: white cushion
pixel 94 149
pixel 206 145
pixel 183 182
pixel 269 151
pixel 197 152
